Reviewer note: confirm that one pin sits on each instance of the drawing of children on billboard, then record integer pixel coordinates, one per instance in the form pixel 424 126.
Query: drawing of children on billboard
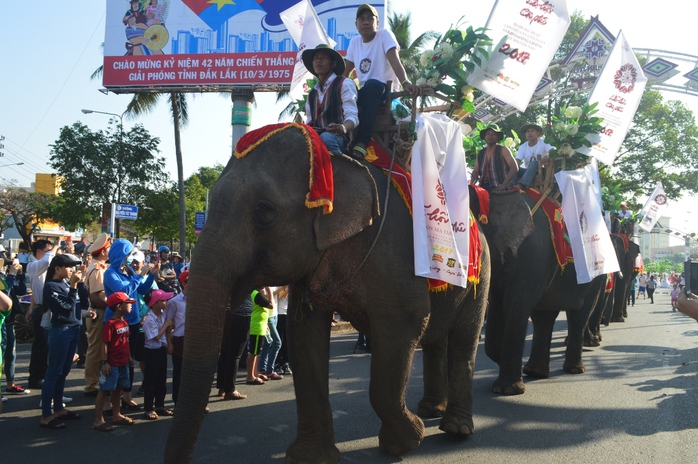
pixel 145 27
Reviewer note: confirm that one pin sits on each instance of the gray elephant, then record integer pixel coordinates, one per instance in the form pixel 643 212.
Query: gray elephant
pixel 528 282
pixel 260 232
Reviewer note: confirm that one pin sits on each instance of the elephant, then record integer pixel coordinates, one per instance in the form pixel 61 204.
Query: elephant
pixel 358 261
pixel 614 304
pixel 528 282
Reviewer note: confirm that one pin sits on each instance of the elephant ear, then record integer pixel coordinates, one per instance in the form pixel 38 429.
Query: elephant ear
pixel 510 221
pixel 355 203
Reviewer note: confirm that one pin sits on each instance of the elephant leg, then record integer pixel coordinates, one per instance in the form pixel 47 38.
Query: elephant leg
pixel 510 379
pixel 576 321
pixel 538 365
pixel 435 368
pixel 308 337
pixel 462 349
pixel 392 350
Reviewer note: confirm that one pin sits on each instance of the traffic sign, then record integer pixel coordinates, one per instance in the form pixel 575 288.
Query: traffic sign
pixel 199 221
pixel 126 212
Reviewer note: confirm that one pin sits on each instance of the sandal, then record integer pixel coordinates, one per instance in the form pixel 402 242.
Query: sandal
pixel 236 395
pixel 54 424
pixel 103 427
pixel 150 415
pixel 275 376
pixel 164 412
pixel 133 406
pixel 125 421
pixel 358 152
pixel 69 415
pixel 263 377
pixel 256 381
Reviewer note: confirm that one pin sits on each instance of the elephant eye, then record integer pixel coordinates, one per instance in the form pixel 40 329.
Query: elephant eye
pixel 264 213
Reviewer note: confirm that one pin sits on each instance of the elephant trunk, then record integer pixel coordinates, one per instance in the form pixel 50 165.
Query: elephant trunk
pixel 208 293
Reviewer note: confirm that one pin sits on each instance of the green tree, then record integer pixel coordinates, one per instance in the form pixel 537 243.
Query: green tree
pixel 158 216
pixel 103 167
pixel 401 24
pixel 27 210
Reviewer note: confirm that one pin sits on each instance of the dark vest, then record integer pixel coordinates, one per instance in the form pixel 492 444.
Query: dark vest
pixel 500 168
pixel 330 111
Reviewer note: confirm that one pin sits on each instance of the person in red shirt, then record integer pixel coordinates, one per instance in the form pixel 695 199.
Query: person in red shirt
pixel 116 359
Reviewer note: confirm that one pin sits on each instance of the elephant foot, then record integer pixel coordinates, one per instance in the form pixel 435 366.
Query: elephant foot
pixel 592 342
pixel 299 454
pixel 574 367
pixel 429 409
pixel 535 371
pixel 397 438
pixel 604 322
pixel 457 425
pixel 617 319
pixel 504 387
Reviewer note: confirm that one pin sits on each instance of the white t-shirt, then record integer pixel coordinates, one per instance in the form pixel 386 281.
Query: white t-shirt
pixel 370 59
pixel 527 152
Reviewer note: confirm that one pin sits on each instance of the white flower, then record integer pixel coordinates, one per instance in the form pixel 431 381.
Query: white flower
pixel 421 81
pixel 560 127
pixel 444 50
pixel 611 197
pixel 467 92
pixel 572 129
pixel 435 74
pixel 432 82
pixel 573 112
pixel 426 57
pixel 566 150
pixel 508 142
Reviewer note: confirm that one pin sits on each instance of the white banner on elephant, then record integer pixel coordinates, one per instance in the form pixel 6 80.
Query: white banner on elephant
pixel 654 208
pixel 527 33
pixel 307 32
pixel 440 200
pixel 618 91
pixel 592 247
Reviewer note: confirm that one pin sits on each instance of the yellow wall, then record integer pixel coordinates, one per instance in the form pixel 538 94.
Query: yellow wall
pixel 47 183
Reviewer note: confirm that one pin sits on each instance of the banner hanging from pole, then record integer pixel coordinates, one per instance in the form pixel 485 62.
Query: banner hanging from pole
pixel 654 208
pixel 618 91
pixel 527 34
pixel 307 32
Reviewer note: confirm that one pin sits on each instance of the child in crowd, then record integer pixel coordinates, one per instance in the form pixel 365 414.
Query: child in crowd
pixel 258 330
pixel 116 360
pixel 5 310
pixel 155 329
pixel 674 297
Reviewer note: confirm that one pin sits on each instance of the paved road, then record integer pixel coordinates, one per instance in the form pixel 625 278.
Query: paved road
pixel 637 403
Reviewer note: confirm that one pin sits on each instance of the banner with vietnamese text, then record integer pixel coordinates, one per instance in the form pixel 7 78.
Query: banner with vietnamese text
pixel 618 91
pixel 591 243
pixel 654 208
pixel 527 33
pixel 440 200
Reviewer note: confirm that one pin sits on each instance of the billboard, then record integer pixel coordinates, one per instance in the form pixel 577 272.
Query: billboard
pixel 181 44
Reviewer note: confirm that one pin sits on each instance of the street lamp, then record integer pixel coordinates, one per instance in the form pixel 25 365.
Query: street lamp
pixel 11 164
pixel 120 116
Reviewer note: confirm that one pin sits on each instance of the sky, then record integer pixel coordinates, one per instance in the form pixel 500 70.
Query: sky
pixel 51 53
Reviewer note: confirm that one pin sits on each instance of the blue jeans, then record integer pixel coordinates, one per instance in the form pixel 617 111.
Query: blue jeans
pixel 525 176
pixel 9 350
pixel 62 344
pixel 370 98
pixel 267 357
pixel 334 143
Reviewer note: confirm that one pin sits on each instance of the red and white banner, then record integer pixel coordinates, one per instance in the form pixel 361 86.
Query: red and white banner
pixel 441 237
pixel 591 243
pixel 307 32
pixel 527 33
pixel 654 208
pixel 618 91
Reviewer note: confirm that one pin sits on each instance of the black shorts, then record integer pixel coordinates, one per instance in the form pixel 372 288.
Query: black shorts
pixel 256 343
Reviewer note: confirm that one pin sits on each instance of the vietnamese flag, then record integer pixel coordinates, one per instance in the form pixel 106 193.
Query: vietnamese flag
pixel 216 12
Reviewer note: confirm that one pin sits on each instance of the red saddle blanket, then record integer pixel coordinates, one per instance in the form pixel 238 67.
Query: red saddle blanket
pixel 402 181
pixel 558 231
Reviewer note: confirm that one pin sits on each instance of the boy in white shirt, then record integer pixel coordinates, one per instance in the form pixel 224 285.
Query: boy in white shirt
pixel 374 55
pixel 528 155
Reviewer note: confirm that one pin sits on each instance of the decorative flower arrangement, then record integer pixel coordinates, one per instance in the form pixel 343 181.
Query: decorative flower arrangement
pixel 473 143
pixel 568 133
pixel 447 66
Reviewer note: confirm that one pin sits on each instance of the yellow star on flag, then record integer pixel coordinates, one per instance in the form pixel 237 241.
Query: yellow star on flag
pixel 221 3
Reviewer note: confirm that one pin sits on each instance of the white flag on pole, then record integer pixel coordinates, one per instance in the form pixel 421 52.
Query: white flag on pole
pixel 654 208
pixel 527 33
pixel 440 200
pixel 307 32
pixel 592 247
pixel 618 91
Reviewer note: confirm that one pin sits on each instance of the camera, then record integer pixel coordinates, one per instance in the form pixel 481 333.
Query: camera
pixel 690 272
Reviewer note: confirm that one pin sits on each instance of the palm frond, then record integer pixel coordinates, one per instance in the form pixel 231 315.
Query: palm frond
pixel 142 103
